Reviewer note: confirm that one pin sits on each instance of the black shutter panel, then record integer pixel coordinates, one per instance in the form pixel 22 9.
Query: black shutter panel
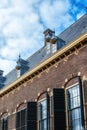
pixel 48 111
pixel 18 120
pixel 2 124
pixel 81 100
pixel 59 109
pixel 32 116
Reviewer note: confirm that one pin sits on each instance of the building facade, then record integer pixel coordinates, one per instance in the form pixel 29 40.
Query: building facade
pixel 48 91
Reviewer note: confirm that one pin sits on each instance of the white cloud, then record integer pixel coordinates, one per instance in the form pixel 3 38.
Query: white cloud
pixel 56 14
pixel 7 65
pixel 22 25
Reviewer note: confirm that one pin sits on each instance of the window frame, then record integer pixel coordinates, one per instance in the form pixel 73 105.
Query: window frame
pixel 4 121
pixel 51 115
pixel 66 99
pixel 19 128
pixel 38 112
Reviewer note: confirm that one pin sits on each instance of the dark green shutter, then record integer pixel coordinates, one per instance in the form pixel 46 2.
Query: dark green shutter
pixel 81 100
pixel 48 111
pixel 32 116
pixel 59 109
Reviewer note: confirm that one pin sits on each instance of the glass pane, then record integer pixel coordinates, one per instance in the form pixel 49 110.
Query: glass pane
pixel 44 124
pixel 75 102
pixel 18 120
pixel 74 91
pixel 43 115
pixel 44 109
pixel 76 114
pixel 76 124
pixel 23 117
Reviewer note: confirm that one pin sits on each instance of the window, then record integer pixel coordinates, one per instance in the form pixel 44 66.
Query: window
pixel 74 108
pixel 21 120
pixel 4 124
pixel 18 73
pixel 48 48
pixel 43 115
pixel 54 48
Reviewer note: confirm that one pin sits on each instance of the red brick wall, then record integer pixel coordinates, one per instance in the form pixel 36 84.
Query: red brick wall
pixel 55 77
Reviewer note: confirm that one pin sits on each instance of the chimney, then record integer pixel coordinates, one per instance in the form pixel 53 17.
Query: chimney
pixel 1 73
pixel 2 79
pixel 50 36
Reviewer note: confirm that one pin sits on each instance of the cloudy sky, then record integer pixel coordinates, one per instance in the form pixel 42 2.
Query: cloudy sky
pixel 22 23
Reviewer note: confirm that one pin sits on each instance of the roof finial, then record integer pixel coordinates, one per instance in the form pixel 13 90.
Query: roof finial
pixel 18 66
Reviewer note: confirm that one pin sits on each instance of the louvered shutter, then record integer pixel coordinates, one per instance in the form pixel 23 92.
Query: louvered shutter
pixel 59 109
pixel 81 100
pixel 32 116
pixel 48 111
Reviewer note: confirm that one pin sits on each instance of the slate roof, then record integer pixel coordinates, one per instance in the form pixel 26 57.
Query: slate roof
pixel 75 30
pixel 72 32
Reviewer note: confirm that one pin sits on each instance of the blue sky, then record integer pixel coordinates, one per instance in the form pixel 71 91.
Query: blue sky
pixel 22 23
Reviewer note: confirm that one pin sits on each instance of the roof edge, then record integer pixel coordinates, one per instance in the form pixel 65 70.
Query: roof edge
pixel 54 56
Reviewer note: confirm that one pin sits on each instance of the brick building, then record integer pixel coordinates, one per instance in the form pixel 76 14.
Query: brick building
pixel 48 91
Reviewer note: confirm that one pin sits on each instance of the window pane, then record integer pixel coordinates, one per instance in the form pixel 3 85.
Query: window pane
pixel 18 120
pixel 23 117
pixel 54 48
pixel 75 102
pixel 76 114
pixel 43 115
pixel 21 120
pixel 44 109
